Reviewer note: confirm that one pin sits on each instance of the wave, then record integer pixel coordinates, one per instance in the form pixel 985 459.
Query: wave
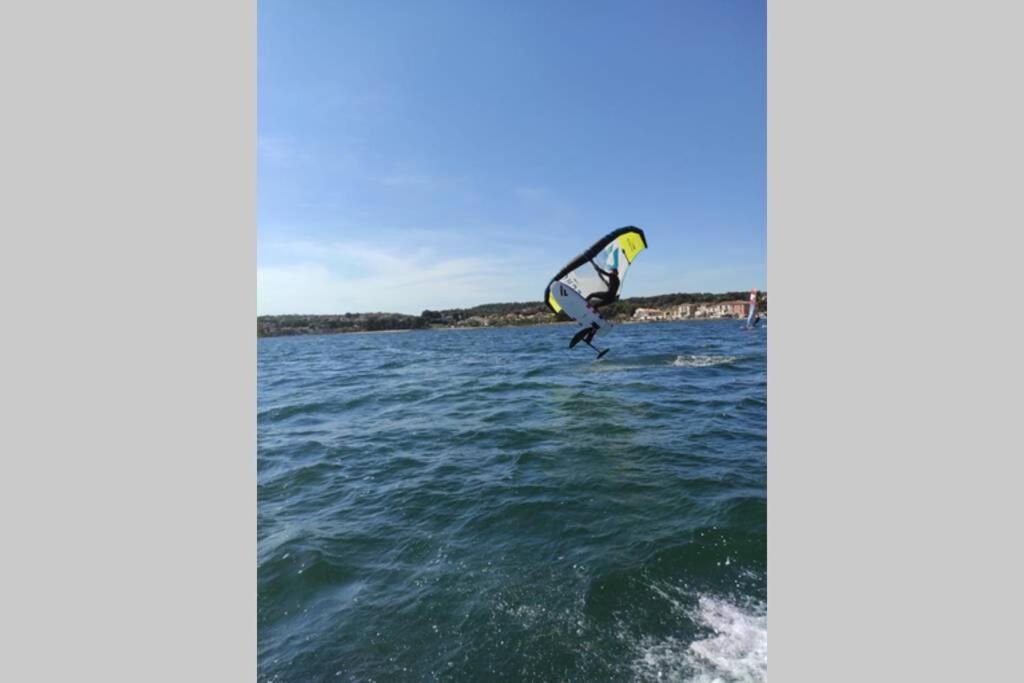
pixel 736 649
pixel 702 361
pixel 661 360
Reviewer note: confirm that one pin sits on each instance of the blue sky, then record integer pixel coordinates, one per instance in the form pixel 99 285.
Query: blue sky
pixel 442 154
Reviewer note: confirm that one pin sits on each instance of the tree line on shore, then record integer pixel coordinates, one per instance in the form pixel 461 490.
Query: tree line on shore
pixel 503 314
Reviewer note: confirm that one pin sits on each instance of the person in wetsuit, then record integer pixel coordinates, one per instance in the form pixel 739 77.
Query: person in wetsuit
pixel 610 278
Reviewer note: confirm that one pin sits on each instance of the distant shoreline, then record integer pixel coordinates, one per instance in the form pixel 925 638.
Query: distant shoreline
pixel 441 328
pixel 657 308
pixel 445 328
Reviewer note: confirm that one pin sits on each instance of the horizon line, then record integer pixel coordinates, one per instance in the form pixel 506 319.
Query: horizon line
pixel 498 303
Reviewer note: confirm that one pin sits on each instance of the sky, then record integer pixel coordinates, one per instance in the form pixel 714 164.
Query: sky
pixel 428 155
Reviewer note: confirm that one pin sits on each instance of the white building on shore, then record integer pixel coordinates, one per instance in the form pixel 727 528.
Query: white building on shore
pixel 650 314
pixel 694 311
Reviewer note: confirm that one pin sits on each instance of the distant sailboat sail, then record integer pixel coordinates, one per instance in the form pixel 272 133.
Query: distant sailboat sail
pixel 752 317
pixel 592 279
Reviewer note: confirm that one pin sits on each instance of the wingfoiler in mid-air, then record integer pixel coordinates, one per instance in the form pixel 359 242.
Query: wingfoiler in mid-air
pixel 593 279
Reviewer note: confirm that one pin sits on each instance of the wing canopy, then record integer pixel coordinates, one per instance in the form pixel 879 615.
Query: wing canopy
pixel 616 250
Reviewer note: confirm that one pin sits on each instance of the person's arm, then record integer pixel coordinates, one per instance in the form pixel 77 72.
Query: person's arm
pixel 602 273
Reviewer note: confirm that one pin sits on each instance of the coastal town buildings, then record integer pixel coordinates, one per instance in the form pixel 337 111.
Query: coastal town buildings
pixel 694 311
pixel 491 315
pixel 650 314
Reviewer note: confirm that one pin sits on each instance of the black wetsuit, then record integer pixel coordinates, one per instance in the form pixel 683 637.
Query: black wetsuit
pixel 612 280
pixel 597 299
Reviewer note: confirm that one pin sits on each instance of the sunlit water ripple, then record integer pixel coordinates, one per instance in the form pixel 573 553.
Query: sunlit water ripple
pixel 487 504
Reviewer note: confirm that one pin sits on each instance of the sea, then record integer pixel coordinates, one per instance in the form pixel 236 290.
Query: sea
pixel 487 504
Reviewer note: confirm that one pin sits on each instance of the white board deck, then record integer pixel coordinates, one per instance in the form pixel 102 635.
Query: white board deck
pixel 576 307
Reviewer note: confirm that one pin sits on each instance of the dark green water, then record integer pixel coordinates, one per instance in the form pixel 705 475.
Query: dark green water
pixel 480 505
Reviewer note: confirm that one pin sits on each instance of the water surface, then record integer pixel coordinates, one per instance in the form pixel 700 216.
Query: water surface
pixel 486 504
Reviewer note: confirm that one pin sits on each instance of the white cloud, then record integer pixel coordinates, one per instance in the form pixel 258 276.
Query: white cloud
pixel 407 270
pixel 341 277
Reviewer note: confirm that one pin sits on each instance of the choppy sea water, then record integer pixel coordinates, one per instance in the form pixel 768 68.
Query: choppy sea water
pixel 485 504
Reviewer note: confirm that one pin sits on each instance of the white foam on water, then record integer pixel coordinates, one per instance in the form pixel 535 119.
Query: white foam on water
pixel 702 361
pixel 736 651
pixel 663 660
pixel 739 648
